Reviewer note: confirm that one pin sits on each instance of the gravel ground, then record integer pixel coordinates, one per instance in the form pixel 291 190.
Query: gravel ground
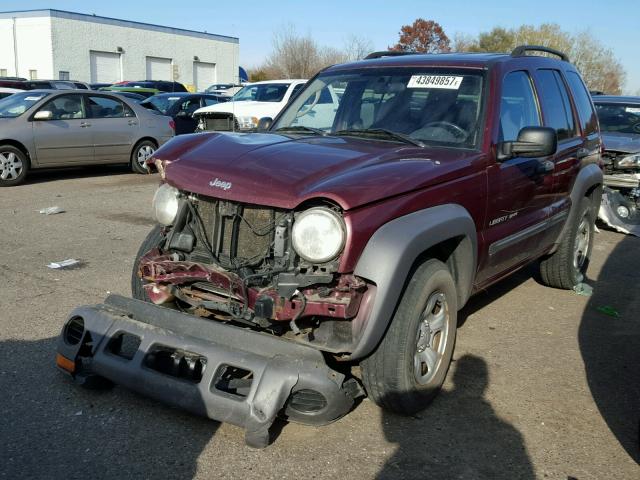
pixel 543 384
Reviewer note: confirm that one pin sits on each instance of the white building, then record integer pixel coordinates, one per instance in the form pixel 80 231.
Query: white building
pixel 54 44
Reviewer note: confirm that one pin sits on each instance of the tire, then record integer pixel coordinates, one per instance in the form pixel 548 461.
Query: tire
pixel 14 166
pixel 395 376
pixel 143 150
pixel 567 266
pixel 153 239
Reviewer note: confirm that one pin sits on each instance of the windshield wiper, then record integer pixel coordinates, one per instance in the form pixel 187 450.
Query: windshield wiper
pixel 381 132
pixel 301 128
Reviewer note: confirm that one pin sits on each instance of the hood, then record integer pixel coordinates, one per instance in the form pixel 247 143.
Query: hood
pixel 621 142
pixel 283 172
pixel 241 108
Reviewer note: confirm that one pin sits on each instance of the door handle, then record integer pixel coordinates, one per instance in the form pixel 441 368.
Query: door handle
pixel 132 122
pixel 545 167
pixel 85 125
pixel 582 152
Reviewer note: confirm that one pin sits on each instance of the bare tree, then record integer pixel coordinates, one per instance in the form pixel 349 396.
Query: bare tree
pixel 293 55
pixel 356 47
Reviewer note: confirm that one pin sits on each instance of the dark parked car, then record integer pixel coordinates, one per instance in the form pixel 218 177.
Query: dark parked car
pixel 136 97
pixel 98 86
pixel 620 124
pixel 43 84
pixel 180 106
pixel 286 258
pixel 161 85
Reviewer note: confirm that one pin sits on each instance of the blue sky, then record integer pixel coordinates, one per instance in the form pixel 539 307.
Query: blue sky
pixel 614 22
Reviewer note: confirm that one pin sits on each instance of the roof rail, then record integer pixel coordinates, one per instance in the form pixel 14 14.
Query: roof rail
pixel 388 53
pixel 521 50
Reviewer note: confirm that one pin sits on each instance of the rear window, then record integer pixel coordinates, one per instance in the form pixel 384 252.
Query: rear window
pixel 588 119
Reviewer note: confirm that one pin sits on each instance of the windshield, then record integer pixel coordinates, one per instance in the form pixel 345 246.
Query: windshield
pixel 266 92
pixel 18 103
pixel 619 117
pixel 422 104
pixel 161 103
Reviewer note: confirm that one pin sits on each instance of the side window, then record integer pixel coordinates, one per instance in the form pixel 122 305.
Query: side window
pixel 190 106
pixel 65 107
pixel 210 101
pixel 104 107
pixel 296 89
pixel 555 103
pixel 518 107
pixel 588 119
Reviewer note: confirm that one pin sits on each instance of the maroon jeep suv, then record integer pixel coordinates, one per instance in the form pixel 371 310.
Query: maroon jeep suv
pixel 348 232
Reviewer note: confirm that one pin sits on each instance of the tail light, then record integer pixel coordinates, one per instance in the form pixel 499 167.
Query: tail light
pixel 172 125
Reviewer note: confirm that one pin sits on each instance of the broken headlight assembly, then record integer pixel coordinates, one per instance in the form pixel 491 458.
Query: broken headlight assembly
pixel 630 161
pixel 318 234
pixel 165 204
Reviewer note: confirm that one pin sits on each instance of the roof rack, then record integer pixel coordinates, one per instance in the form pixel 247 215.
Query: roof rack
pixel 521 50
pixel 388 53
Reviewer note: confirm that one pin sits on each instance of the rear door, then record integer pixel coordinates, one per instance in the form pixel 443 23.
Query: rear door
pixel 558 114
pixel 66 138
pixel 114 127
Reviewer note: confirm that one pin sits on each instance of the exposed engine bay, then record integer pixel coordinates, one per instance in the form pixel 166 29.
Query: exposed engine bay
pixel 620 208
pixel 238 263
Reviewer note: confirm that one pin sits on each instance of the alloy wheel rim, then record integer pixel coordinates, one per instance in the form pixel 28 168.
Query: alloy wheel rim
pixel 10 166
pixel 582 243
pixel 622 211
pixel 431 338
pixel 144 153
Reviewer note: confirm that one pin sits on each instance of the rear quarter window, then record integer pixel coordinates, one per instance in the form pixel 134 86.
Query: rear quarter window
pixel 586 112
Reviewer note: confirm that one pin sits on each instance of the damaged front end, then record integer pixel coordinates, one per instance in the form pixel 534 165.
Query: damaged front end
pixel 620 208
pixel 239 316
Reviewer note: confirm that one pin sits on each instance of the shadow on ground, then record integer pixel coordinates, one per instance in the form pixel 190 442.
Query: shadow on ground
pixel 458 436
pixel 67 173
pixel 51 428
pixel 610 345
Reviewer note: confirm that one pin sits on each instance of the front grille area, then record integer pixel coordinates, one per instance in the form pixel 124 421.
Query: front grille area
pixel 238 234
pixel 220 122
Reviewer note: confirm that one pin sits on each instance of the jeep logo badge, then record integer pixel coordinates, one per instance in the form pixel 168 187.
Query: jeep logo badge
pixel 217 183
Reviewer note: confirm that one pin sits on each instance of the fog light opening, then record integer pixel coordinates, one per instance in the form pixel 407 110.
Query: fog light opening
pixel 233 380
pixel 307 401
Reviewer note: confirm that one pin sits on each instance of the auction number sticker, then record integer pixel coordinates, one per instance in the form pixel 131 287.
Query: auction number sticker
pixel 449 82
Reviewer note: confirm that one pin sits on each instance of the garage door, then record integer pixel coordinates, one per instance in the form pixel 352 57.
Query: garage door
pixel 204 75
pixel 159 68
pixel 105 67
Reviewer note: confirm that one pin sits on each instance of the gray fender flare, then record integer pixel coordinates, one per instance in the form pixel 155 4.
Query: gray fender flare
pixel 393 249
pixel 589 176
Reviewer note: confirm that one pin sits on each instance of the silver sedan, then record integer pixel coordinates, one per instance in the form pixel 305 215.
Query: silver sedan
pixel 53 128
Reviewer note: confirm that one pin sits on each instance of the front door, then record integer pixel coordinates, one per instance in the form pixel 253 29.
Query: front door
pixel 520 191
pixel 65 138
pixel 114 126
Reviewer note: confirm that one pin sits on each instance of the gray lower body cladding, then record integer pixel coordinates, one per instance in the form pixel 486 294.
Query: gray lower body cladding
pixel 220 371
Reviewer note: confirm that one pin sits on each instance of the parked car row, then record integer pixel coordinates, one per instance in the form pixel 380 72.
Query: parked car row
pixel 56 128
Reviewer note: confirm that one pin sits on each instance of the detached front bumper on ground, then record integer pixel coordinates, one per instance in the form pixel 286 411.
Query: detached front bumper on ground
pixel 226 373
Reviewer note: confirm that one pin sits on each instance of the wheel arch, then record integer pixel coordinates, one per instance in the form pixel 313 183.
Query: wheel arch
pixel 20 146
pixel 446 232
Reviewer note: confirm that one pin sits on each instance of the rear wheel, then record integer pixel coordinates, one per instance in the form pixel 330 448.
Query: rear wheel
pixel 567 266
pixel 408 368
pixel 153 240
pixel 13 166
pixel 141 152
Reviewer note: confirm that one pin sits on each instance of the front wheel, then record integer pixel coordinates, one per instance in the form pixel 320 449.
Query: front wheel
pixel 409 366
pixel 154 239
pixel 141 152
pixel 13 166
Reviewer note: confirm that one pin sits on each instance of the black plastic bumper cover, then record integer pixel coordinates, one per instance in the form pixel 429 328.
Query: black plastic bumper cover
pixel 278 367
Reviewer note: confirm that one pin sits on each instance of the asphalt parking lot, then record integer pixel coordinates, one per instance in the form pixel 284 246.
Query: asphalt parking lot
pixel 544 385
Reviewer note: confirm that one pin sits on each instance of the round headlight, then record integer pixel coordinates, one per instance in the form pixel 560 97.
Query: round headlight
pixel 165 204
pixel 318 235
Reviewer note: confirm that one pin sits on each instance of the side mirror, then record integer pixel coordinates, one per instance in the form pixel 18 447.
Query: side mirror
pixel 43 115
pixel 264 124
pixel 532 142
